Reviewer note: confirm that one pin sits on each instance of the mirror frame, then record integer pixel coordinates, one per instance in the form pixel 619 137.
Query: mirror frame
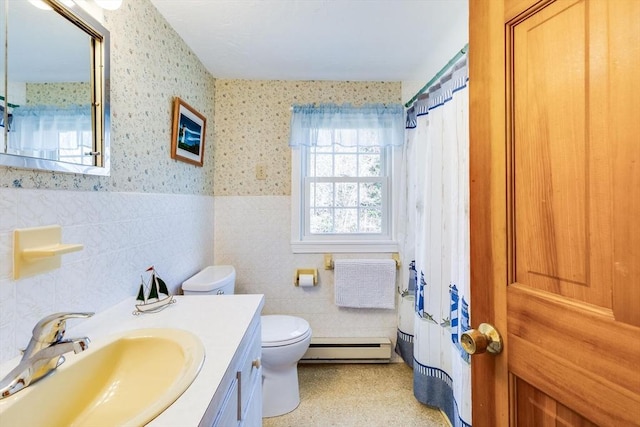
pixel 100 108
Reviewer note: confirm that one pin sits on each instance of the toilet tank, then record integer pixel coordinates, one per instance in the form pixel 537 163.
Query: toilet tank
pixel 213 280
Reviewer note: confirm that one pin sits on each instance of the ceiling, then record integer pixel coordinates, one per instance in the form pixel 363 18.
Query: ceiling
pixel 344 40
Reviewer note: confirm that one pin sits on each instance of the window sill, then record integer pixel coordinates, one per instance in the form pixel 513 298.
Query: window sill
pixel 344 247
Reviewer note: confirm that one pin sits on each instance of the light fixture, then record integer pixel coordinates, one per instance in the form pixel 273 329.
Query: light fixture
pixel 40 4
pixel 108 4
pixel 104 4
pixel 44 6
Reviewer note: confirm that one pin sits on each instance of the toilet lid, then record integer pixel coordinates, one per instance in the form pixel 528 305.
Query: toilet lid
pixel 278 330
pixel 211 278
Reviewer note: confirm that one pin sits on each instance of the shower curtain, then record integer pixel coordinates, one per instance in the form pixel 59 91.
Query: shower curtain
pixel 434 307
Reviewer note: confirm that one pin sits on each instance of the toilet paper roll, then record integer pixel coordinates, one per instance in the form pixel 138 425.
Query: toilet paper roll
pixel 305 280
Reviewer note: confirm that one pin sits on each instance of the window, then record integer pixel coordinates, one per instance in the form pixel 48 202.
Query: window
pixel 345 189
pixel 342 178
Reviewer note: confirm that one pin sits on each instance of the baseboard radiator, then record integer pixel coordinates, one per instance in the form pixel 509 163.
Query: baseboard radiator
pixel 348 350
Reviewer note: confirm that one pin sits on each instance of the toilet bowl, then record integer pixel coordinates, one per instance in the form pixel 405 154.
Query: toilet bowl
pixel 285 339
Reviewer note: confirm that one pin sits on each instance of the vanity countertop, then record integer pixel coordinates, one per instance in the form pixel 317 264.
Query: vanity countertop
pixel 220 321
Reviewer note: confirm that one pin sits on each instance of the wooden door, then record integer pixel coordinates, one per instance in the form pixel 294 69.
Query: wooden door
pixel 555 210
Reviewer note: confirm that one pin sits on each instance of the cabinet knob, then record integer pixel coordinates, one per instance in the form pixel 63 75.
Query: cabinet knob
pixel 256 363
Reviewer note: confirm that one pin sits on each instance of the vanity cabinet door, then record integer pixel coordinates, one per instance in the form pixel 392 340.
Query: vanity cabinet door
pixel 228 414
pixel 253 414
pixel 249 374
pixel 242 402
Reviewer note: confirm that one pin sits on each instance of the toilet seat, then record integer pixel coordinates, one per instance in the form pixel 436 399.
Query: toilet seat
pixel 281 330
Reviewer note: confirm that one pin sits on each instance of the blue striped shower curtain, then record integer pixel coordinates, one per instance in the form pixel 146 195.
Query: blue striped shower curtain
pixel 434 308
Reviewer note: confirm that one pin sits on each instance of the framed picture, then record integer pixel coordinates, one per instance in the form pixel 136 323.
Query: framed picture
pixel 187 135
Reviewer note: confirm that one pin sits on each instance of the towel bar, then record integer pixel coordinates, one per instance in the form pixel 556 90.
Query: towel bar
pixel 328 261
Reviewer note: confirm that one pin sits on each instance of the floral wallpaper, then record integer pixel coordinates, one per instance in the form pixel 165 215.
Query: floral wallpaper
pixel 59 94
pixel 150 64
pixel 252 127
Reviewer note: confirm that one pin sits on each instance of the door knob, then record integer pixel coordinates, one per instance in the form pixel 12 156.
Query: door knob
pixel 485 338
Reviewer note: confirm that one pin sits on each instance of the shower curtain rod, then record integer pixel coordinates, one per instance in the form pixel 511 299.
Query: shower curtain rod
pixel 8 103
pixel 438 75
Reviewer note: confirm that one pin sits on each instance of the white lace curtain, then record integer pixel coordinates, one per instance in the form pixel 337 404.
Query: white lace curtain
pixel 345 125
pixel 38 128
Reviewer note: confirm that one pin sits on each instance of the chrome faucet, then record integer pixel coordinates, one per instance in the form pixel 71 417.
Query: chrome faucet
pixel 44 352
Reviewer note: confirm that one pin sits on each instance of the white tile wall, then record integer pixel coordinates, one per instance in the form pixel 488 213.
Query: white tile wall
pixel 253 233
pixel 122 234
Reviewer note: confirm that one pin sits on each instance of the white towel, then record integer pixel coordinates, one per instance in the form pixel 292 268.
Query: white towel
pixel 365 283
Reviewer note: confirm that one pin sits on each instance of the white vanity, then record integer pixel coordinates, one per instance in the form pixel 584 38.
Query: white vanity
pixel 238 398
pixel 227 391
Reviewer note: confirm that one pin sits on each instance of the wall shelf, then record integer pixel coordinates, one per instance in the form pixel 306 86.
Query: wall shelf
pixel 48 251
pixel 39 249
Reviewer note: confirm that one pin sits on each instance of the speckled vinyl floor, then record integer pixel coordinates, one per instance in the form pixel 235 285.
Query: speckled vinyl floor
pixel 354 395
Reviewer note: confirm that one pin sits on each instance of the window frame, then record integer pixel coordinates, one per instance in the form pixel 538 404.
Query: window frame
pixel 303 242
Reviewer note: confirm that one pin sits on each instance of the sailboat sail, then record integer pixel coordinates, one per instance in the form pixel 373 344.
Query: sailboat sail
pixel 140 296
pixel 162 286
pixel 153 292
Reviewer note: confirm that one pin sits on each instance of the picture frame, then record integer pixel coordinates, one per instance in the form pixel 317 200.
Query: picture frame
pixel 188 133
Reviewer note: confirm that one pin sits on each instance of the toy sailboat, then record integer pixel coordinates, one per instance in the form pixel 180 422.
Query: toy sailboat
pixel 158 296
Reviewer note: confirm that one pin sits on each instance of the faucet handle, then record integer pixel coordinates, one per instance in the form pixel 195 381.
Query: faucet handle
pixel 51 328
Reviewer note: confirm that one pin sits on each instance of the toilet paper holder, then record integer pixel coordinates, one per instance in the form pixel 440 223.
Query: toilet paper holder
pixel 300 271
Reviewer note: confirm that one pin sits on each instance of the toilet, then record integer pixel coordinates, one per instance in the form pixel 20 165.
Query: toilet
pixel 285 339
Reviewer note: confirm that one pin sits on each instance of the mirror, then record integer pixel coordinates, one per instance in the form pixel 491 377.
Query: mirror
pixel 55 110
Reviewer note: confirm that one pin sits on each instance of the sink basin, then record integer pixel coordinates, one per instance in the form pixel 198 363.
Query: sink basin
pixel 126 380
